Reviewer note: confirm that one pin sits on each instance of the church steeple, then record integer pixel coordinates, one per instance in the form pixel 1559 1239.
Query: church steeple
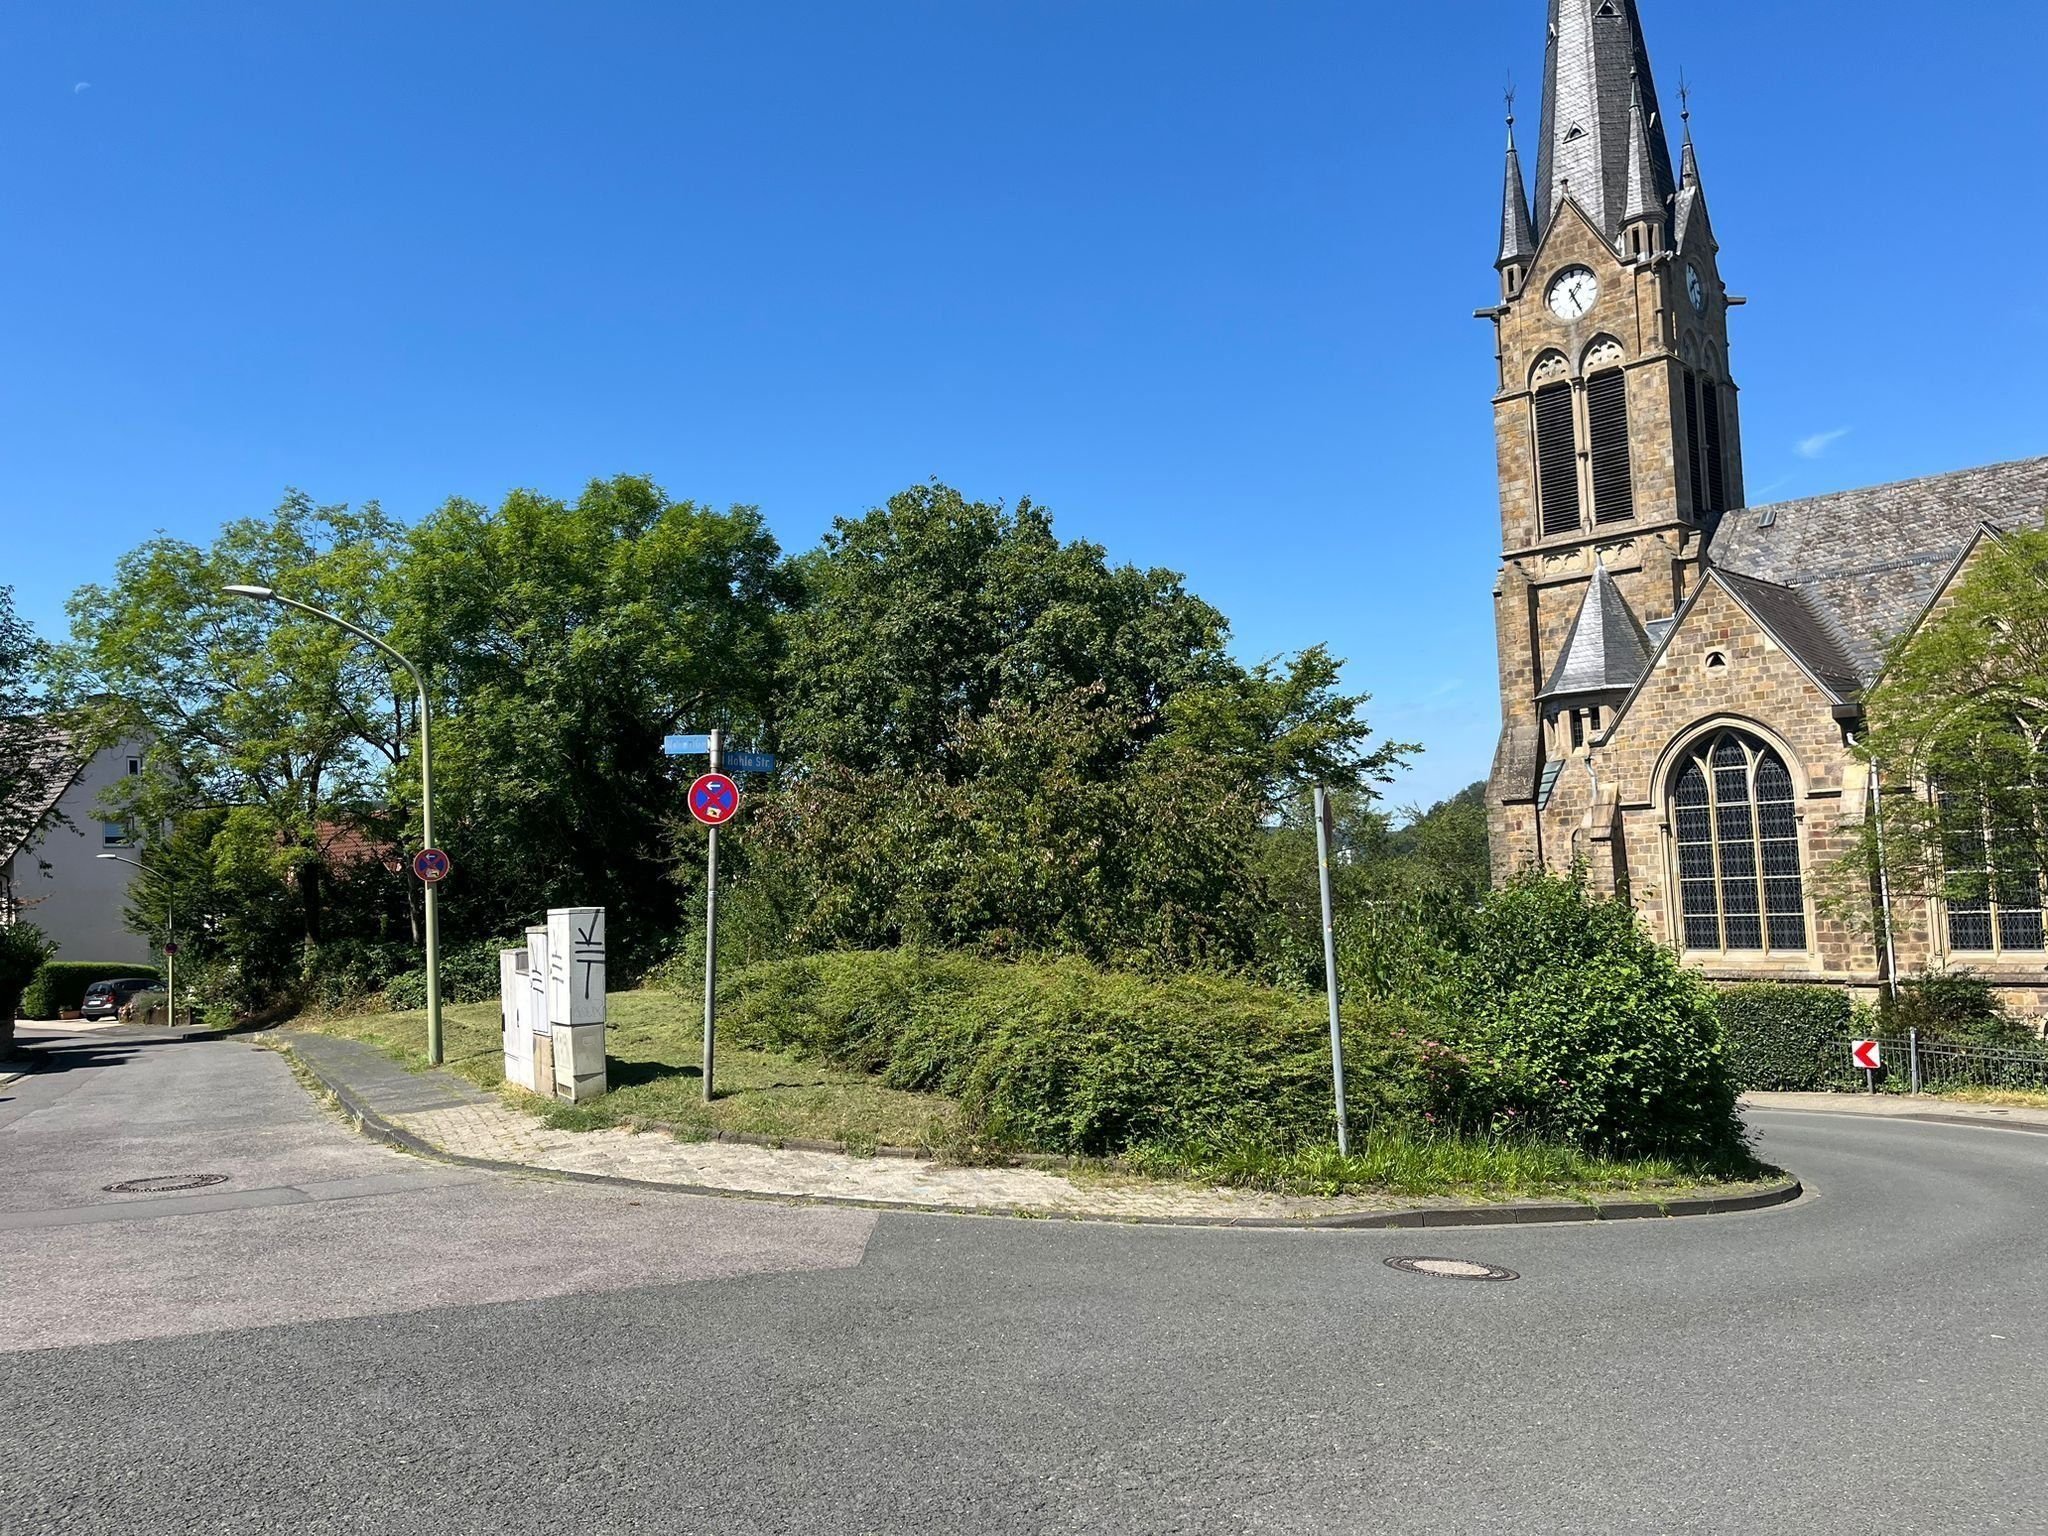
pixel 1596 79
pixel 1517 233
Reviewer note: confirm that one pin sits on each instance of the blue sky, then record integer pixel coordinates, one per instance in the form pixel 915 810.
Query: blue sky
pixel 1197 274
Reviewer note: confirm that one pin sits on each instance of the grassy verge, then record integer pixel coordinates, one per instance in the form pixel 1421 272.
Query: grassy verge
pixel 654 1049
pixel 1394 1161
pixel 653 1045
pixel 2009 1098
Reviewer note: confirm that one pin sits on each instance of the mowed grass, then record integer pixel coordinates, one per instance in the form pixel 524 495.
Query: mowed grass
pixel 2009 1098
pixel 653 1046
pixel 654 1052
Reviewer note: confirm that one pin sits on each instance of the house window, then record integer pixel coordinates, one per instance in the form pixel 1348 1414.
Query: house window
pixel 1741 885
pixel 116 833
pixel 1578 728
pixel 1994 879
pixel 134 766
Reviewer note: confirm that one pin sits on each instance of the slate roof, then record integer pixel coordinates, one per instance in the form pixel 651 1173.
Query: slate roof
pixel 1607 649
pixel 1595 62
pixel 1801 628
pixel 1865 564
pixel 20 823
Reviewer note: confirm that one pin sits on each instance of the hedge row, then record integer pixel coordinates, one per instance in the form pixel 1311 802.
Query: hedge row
pixel 1065 1057
pixel 1784 1038
pixel 61 984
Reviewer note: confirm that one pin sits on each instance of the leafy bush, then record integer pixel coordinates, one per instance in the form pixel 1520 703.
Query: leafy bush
pixel 61 984
pixel 23 950
pixel 469 974
pixel 1954 1007
pixel 1786 1038
pixel 1066 1057
pixel 1575 1026
pixel 343 972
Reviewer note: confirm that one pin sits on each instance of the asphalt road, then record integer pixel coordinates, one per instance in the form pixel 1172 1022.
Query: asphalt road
pixel 357 1341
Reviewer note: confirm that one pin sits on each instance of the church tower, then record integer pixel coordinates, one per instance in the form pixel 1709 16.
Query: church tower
pixel 1614 419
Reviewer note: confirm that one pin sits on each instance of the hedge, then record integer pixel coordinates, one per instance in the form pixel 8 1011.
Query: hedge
pixel 61 984
pixel 1063 1056
pixel 469 974
pixel 1785 1038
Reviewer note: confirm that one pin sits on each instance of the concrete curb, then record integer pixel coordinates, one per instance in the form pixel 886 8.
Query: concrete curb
pixel 1522 1213
pixel 1930 1117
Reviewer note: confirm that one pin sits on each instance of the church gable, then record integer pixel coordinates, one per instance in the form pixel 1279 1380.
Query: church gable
pixel 1721 662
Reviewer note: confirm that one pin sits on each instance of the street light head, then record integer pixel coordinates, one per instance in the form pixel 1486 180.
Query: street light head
pixel 263 593
pixel 106 856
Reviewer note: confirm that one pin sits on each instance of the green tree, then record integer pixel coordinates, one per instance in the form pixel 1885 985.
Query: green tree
pixel 1959 726
pixel 567 638
pixel 1003 740
pixel 277 723
pixel 33 759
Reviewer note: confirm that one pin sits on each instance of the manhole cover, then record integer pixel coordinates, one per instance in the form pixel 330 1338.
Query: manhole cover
pixel 1453 1269
pixel 165 1183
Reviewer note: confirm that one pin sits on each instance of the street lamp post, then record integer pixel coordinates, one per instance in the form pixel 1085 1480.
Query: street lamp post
pixel 266 595
pixel 170 930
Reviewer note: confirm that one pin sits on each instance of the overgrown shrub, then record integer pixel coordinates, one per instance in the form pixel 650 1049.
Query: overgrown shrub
pixel 1786 1039
pixel 1952 1007
pixel 469 974
pixel 23 950
pixel 61 984
pixel 345 972
pixel 1066 1057
pixel 1574 1025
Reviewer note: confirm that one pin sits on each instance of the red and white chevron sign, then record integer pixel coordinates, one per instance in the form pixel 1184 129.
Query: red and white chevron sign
pixel 1865 1054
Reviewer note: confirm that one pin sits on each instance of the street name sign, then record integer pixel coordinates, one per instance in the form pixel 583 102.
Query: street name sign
pixel 1865 1054
pixel 714 799
pixel 432 865
pixel 686 746
pixel 748 762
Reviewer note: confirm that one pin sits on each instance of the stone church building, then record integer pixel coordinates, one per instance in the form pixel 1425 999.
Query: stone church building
pixel 1680 671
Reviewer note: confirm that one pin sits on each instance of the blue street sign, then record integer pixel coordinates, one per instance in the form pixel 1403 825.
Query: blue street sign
pixel 749 762
pixel 686 746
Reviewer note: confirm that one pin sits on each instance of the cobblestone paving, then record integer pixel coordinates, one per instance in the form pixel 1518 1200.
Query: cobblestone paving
pixel 499 1133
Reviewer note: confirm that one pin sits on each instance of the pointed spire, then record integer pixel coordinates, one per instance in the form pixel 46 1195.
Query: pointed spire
pixel 1608 650
pixel 1689 170
pixel 1596 67
pixel 1644 202
pixel 1517 234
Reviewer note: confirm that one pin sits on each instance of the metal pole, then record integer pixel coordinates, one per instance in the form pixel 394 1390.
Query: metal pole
pixel 1884 881
pixel 1913 1056
pixel 1322 807
pixel 433 904
pixel 711 936
pixel 268 595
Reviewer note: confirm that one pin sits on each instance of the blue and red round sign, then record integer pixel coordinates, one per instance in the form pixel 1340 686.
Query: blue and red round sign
pixel 432 865
pixel 714 799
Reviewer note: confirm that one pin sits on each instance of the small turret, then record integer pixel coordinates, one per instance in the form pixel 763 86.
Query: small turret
pixel 1517 233
pixel 1644 210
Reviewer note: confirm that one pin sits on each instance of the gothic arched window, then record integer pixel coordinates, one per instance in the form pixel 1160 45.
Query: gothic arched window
pixel 1737 827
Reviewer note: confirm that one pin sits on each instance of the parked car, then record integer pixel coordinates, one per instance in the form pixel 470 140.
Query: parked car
pixel 106 999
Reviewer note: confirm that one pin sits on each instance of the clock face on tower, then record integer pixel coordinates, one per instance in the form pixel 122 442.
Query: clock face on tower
pixel 1695 288
pixel 1574 292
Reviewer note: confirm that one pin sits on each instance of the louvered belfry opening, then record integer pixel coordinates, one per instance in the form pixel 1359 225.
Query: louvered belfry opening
pixel 1692 443
pixel 1614 497
pixel 1717 474
pixel 1557 462
pixel 1736 825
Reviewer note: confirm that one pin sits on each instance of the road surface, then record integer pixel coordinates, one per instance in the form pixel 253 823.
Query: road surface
pixel 340 1338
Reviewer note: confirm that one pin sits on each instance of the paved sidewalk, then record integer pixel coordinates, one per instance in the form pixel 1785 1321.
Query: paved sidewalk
pixel 1902 1106
pixel 442 1113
